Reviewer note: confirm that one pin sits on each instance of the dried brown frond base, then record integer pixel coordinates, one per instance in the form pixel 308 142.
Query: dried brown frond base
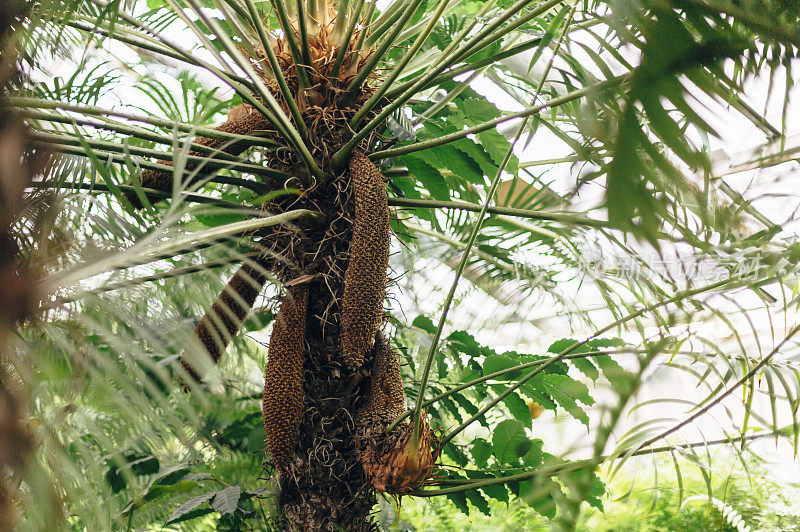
pixel 394 462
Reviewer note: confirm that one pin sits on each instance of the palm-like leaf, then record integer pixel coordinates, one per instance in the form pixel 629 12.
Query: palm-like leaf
pixel 620 87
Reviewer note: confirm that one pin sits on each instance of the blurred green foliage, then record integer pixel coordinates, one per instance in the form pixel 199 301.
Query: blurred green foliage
pixel 761 503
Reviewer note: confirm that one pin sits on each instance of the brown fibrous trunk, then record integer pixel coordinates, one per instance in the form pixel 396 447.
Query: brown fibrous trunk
pixel 332 381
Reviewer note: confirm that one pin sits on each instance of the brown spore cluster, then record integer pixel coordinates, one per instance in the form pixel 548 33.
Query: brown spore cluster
pixel 384 401
pixel 226 315
pixel 365 277
pixel 242 120
pixel 283 386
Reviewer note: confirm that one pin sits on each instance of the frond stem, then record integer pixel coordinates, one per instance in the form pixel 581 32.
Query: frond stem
pixel 90 110
pixel 530 111
pixel 348 36
pixel 746 377
pixel 398 69
pixel 342 155
pixel 171 274
pixel 282 123
pixel 469 484
pixel 288 33
pixel 482 254
pixel 182 54
pixel 151 193
pixel 302 30
pixel 565 218
pixel 117 158
pixel 378 55
pixel 121 259
pixel 126 129
pixel 459 271
pixel 560 356
pixel 215 163
pixel 276 68
pixel 365 24
pixel 468 67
